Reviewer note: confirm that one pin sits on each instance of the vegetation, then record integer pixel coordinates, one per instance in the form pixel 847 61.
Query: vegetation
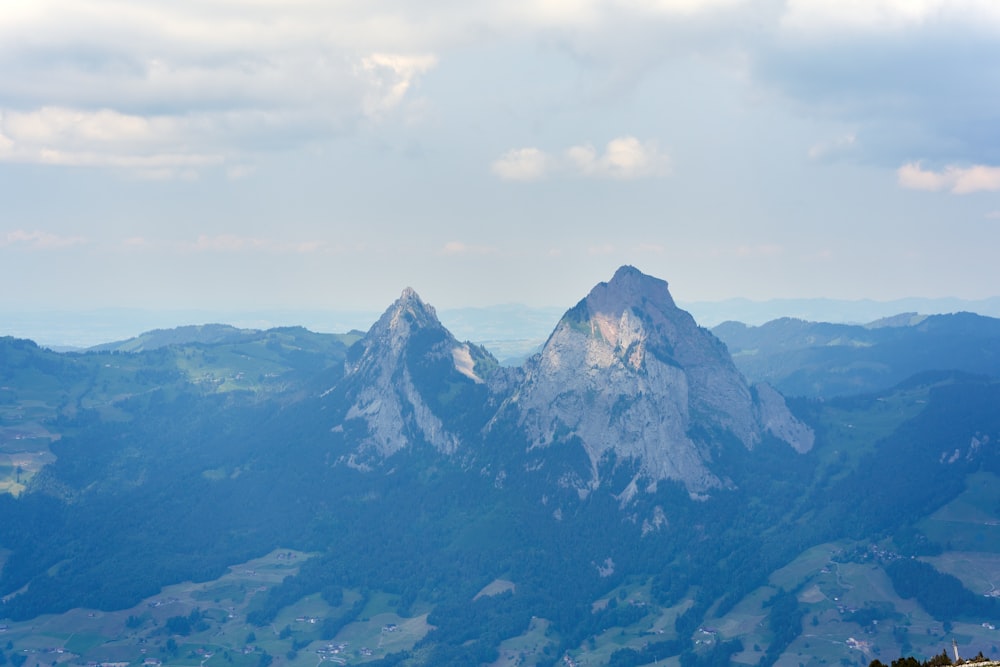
pixel 224 451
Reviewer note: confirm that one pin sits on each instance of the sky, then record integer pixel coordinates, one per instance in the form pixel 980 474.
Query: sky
pixel 325 154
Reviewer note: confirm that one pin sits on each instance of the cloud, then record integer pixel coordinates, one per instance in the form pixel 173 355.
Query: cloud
pixel 681 7
pixel 39 240
pixel 907 74
pixel 624 158
pixel 522 164
pixel 957 180
pixel 884 15
pixel 236 81
pixel 389 77
pixel 104 138
pixel 170 88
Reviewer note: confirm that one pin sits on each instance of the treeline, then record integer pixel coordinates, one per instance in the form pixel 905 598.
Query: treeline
pixel 942 595
pixel 940 660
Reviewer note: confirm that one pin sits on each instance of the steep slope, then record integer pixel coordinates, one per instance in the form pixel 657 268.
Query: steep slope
pixel 628 374
pixel 408 380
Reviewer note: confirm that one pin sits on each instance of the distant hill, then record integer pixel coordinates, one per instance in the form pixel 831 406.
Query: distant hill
pixel 157 338
pixel 843 311
pixel 213 334
pixel 819 359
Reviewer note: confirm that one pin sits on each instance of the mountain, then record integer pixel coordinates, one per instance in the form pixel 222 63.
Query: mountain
pixel 626 497
pixel 819 359
pixel 628 374
pixel 408 380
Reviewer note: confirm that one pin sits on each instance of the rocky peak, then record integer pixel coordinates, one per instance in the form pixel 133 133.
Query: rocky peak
pixel 392 374
pixel 631 286
pixel 629 375
pixel 407 315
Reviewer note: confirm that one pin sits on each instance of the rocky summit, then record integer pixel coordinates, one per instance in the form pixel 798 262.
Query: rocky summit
pixel 627 376
pixel 626 372
pixel 394 379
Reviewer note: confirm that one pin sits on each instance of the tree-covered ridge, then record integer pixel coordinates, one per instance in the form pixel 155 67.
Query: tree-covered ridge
pixel 819 359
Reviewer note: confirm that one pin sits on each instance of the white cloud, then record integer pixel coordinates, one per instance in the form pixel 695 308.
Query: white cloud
pixel 39 240
pixel 150 146
pixel 957 180
pixel 522 164
pixel 682 7
pixel 389 77
pixel 624 158
pixel 881 15
pixel 143 86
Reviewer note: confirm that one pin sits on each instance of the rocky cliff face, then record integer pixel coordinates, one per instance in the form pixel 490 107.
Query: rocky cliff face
pixel 627 376
pixel 628 373
pixel 398 377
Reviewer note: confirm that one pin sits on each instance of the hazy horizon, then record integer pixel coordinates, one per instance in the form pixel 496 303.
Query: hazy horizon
pixel 498 322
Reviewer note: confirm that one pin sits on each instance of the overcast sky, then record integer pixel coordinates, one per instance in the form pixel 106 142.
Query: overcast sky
pixel 318 154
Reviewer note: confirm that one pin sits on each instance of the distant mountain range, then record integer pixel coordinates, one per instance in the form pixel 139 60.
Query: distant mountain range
pixel 510 331
pixel 819 359
pixel 640 490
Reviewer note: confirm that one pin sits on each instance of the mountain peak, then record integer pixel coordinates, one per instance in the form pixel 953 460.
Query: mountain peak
pixel 628 274
pixel 631 376
pixel 630 287
pixel 393 379
pixel 412 308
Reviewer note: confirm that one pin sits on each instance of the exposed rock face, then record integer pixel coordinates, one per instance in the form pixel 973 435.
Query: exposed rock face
pixel 404 349
pixel 627 376
pixel 627 372
pixel 778 421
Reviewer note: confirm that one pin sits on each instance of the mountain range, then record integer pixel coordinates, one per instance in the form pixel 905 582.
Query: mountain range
pixel 641 490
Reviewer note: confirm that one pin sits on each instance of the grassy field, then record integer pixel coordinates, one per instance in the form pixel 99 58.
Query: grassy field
pixel 830 592
pixel 971 522
pixel 293 639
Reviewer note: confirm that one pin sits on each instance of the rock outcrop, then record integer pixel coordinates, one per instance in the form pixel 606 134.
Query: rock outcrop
pixel 626 372
pixel 626 378
pixel 395 377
